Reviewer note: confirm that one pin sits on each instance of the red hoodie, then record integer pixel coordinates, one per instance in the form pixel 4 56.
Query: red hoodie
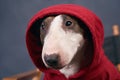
pixel 100 68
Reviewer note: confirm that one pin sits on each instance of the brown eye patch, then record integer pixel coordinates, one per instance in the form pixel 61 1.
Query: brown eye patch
pixel 71 24
pixel 44 27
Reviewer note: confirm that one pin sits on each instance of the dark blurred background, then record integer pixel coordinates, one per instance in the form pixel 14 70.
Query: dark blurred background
pixel 14 17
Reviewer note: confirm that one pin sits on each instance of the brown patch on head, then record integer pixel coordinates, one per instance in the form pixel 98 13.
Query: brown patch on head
pixel 45 27
pixel 71 24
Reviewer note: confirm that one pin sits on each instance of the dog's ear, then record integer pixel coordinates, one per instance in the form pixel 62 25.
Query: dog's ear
pixel 86 32
pixel 35 29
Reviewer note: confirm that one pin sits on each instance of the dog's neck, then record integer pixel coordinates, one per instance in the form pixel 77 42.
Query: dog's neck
pixel 82 59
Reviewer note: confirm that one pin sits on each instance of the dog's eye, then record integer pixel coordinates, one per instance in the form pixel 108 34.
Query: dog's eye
pixel 42 26
pixel 68 23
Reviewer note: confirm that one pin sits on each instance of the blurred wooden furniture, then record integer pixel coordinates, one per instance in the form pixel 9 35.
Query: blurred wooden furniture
pixel 115 30
pixel 118 67
pixel 112 46
pixel 30 75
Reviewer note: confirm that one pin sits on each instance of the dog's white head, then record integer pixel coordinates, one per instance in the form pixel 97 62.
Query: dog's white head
pixel 61 36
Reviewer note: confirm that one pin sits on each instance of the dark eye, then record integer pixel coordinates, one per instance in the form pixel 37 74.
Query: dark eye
pixel 42 26
pixel 68 23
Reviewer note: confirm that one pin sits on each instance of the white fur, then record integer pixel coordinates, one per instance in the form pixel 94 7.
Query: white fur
pixel 69 70
pixel 64 43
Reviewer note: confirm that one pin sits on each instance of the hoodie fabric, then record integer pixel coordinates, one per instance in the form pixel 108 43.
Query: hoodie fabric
pixel 100 68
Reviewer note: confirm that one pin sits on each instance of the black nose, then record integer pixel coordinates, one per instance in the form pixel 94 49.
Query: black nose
pixel 51 60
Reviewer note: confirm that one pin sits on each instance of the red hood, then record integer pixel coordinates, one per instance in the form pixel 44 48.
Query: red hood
pixel 90 19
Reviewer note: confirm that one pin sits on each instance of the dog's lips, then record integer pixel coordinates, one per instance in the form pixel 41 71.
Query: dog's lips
pixel 57 67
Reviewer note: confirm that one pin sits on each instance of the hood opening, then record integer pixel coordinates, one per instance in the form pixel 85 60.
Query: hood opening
pixel 93 27
pixel 35 31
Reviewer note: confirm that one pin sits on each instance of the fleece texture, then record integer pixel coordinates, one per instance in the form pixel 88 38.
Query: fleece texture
pixel 100 68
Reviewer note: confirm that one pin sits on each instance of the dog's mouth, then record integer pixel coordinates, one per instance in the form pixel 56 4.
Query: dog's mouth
pixel 56 67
